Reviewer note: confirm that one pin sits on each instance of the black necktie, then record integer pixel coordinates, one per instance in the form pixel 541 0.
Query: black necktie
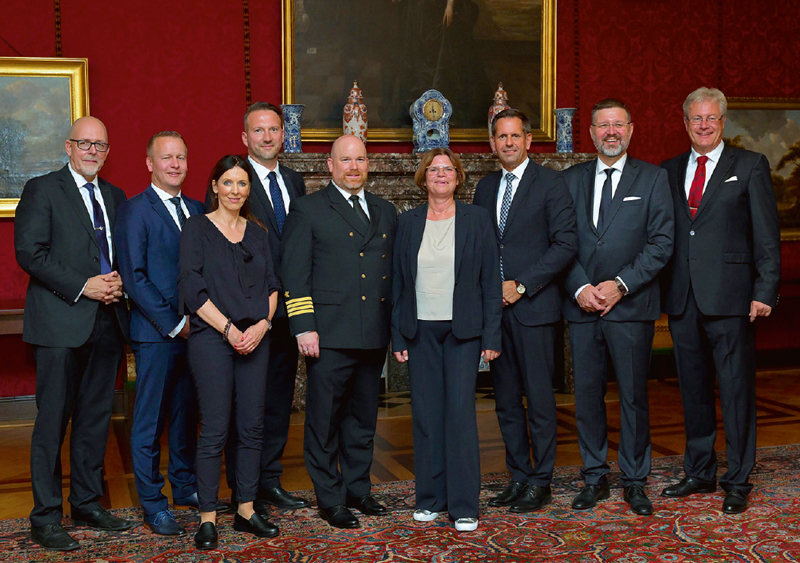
pixel 277 201
pixel 100 231
pixel 359 210
pixel 176 201
pixel 605 200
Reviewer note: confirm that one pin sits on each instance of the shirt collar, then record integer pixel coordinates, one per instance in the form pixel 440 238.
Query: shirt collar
pixel 519 170
pixel 713 156
pixel 165 196
pixel 262 171
pixel 346 195
pixel 80 181
pixel 618 165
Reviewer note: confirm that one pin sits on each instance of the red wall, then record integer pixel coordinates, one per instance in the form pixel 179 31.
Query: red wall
pixel 181 65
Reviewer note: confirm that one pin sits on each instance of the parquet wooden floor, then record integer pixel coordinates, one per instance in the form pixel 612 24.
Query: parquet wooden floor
pixel 778 400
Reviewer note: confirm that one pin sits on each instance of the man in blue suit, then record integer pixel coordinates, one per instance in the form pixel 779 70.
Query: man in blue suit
pixel 147 235
pixel 625 231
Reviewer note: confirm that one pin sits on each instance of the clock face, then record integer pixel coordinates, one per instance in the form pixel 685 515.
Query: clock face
pixel 433 110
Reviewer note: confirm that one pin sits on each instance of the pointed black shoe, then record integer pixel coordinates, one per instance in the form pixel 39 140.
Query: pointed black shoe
pixel 257 525
pixel 279 497
pixel 339 516
pixel 53 536
pixel 734 503
pixel 366 504
pixel 589 496
pixel 688 486
pixel 206 536
pixel 534 498
pixel 509 495
pixel 635 496
pixel 101 519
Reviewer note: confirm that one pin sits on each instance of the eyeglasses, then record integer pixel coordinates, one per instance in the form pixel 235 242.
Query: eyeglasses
pixel 607 126
pixel 446 170
pixel 711 119
pixel 85 145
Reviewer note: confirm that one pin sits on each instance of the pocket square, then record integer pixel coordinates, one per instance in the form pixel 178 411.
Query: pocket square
pixel 731 179
pixel 632 198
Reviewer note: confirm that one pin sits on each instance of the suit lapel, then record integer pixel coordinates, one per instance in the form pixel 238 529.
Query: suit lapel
pixel 290 187
pixel 73 195
pixel 589 192
pixel 680 182
pixel 629 174
pixel 461 234
pixel 494 181
pixel 160 207
pixel 343 208
pixel 374 216
pixel 419 217
pixel 269 212
pixel 523 188
pixel 720 172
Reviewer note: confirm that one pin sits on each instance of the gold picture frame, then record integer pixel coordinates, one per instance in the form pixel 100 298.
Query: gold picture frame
pixel 540 108
pixel 770 126
pixel 35 93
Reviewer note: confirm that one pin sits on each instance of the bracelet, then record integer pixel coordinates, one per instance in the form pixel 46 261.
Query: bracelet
pixel 269 324
pixel 225 331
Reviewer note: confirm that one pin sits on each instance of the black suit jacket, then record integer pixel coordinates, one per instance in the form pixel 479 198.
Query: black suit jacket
pixel 336 272
pixel 730 253
pixel 55 244
pixel 634 244
pixel 539 239
pixel 477 295
pixel 262 209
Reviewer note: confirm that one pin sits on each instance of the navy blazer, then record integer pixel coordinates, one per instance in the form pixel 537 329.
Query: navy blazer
pixel 635 243
pixel 730 253
pixel 147 241
pixel 477 296
pixel 539 240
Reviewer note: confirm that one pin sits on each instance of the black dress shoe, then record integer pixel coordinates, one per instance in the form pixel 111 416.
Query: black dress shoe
pixel 206 536
pixel 688 486
pixel 339 517
pixel 278 496
pixel 635 496
pixel 589 496
pixel 101 519
pixel 53 536
pixel 366 504
pixel 734 503
pixel 534 498
pixel 257 526
pixel 182 503
pixel 507 497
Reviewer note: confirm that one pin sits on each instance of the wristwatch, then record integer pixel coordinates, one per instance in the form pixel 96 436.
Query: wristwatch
pixel 520 288
pixel 621 286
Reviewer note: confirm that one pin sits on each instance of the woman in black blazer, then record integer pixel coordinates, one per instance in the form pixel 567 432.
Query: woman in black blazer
pixel 447 309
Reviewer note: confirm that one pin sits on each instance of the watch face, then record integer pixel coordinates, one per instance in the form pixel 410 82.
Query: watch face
pixel 433 110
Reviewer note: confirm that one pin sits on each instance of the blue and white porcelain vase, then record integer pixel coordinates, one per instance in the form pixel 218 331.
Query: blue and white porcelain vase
pixel 564 118
pixel 291 127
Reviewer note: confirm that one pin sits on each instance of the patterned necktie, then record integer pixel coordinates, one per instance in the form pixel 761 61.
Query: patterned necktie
pixel 359 210
pixel 100 231
pixel 277 201
pixel 699 181
pixel 504 207
pixel 605 200
pixel 176 201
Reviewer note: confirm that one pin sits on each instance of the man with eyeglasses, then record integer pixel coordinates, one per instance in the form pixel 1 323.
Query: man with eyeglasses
pixel 625 229
pixel 534 221
pixel 723 275
pixel 76 321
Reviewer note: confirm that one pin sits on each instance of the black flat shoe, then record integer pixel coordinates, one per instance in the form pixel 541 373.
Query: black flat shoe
pixel 635 496
pixel 206 536
pixel 101 519
pixel 257 526
pixel 366 504
pixel 688 486
pixel 52 536
pixel 534 498
pixel 509 495
pixel 279 497
pixel 339 517
pixel 734 503
pixel 589 496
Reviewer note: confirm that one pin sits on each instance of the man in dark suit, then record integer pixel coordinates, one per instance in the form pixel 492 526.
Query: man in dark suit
pixel 625 228
pixel 724 274
pixel 147 235
pixel 76 324
pixel 337 281
pixel 534 221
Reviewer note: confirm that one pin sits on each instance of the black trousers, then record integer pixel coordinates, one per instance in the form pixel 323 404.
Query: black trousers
pixel 443 371
pixel 341 414
pixel 630 345
pixel 703 343
pixel 75 383
pixel 526 366
pixel 223 377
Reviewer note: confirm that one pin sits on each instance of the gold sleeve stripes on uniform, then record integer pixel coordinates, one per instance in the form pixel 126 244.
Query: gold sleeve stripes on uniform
pixel 299 306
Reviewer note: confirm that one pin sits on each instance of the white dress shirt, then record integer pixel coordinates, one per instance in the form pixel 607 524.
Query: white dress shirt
pixel 362 199
pixel 263 174
pixel 711 164
pixel 600 179
pixel 517 172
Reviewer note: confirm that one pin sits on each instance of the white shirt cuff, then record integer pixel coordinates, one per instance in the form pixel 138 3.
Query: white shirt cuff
pixel 82 290
pixel 178 328
pixel 581 288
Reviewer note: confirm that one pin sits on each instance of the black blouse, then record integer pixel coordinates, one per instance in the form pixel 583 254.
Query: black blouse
pixel 237 277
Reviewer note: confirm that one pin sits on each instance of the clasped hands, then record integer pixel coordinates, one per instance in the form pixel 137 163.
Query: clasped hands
pixel 106 288
pixel 599 299
pixel 246 342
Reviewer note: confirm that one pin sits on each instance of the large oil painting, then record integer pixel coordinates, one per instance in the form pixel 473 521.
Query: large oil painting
pixel 772 127
pixel 399 49
pixel 39 100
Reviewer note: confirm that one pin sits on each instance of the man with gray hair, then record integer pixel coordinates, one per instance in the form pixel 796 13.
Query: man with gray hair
pixel 723 275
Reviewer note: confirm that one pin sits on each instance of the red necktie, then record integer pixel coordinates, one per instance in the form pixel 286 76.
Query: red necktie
pixel 696 190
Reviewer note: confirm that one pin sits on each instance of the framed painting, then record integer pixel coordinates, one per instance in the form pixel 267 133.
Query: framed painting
pixel 39 100
pixel 399 49
pixel 771 126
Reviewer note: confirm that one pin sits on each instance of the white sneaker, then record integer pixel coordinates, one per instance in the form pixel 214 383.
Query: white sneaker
pixel 425 515
pixel 466 524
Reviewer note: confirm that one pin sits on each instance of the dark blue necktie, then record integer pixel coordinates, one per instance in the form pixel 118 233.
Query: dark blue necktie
pixel 100 231
pixel 605 200
pixel 176 201
pixel 277 201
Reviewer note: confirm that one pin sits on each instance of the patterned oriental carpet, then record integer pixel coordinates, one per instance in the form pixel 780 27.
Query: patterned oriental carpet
pixel 690 529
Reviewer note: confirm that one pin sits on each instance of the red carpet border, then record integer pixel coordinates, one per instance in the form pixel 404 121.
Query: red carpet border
pixel 682 530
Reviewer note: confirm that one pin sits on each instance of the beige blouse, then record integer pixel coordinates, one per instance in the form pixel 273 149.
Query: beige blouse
pixel 436 271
